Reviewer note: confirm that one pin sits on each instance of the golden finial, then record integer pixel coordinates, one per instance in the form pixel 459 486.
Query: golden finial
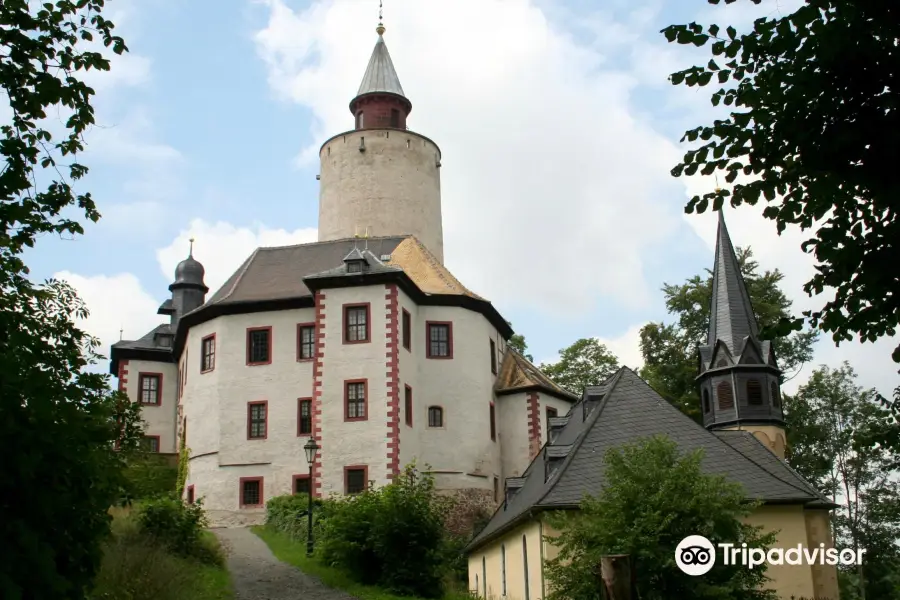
pixel 718 189
pixel 380 29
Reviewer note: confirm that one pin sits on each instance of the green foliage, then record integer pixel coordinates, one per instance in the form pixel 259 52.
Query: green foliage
pixel 654 497
pixel 833 432
pixel 176 526
pixel 184 465
pixel 670 350
pixel 586 362
pixel 392 536
pixel 287 514
pixel 149 475
pixel 812 114
pixel 517 343
pixel 59 424
pixel 136 567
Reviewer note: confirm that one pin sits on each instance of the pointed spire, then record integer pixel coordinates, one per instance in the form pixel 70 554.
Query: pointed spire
pixel 380 74
pixel 731 314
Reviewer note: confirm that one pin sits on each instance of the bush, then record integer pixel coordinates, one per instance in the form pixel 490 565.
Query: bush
pixel 392 537
pixel 178 527
pixel 287 514
pixel 149 476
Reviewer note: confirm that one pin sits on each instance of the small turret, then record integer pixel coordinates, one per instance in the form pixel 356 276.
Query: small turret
pixel 188 289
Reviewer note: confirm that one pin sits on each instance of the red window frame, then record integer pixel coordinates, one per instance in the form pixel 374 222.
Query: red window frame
pixel 250 405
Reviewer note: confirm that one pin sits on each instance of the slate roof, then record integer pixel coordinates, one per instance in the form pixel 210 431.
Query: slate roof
pixel 623 410
pixel 380 74
pixel 149 341
pixel 518 374
pixel 731 314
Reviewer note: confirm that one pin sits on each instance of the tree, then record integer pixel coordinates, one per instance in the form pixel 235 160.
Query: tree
pixel 586 362
pixel 832 424
pixel 812 103
pixel 670 350
pixel 517 343
pixel 60 424
pixel 653 498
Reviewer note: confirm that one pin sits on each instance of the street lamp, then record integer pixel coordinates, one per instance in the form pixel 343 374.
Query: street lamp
pixel 311 448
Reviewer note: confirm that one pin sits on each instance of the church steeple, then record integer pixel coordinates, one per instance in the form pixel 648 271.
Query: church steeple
pixel 380 102
pixel 739 377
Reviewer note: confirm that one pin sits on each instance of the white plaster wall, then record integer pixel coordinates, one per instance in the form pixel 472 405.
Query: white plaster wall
pixel 513 414
pixel 354 443
pixel 215 406
pixel 410 447
pixel 463 385
pixel 394 187
pixel 159 420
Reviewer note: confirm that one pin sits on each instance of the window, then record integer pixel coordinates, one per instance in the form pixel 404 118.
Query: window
pixel 151 443
pixel 440 340
pixel 754 393
pixel 259 346
pixel 725 395
pixel 776 395
pixel 503 568
pixel 355 400
pixel 722 363
pixel 304 416
pixel 484 576
pixel 395 118
pixel 251 492
pixel 208 353
pixel 150 386
pixel 407 405
pixel 493 424
pixel 356 324
pixel 551 412
pixel 302 485
pixel 496 489
pixel 525 563
pixel 256 420
pixel 706 406
pixel 355 266
pixel 407 330
pixel 493 357
pixel 306 341
pixel 190 494
pixel 359 120
pixel 435 416
pixel 355 479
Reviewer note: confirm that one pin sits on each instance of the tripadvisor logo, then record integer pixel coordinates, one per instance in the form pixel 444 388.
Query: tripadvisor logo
pixel 695 555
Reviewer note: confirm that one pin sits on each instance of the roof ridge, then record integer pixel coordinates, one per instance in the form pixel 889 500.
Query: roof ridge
pixel 441 271
pixel 521 357
pixel 582 435
pixel 339 240
pixel 781 462
pixel 240 275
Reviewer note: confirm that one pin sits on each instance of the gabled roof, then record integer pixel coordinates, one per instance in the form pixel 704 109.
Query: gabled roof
pixel 624 410
pixel 731 314
pixel 149 341
pixel 380 74
pixel 518 374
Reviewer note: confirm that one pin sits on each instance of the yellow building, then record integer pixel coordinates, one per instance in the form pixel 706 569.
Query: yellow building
pixel 742 438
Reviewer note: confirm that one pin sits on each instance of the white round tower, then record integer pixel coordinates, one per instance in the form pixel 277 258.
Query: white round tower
pixel 381 178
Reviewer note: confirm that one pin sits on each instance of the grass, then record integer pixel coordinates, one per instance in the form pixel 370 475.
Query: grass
pixel 134 567
pixel 294 553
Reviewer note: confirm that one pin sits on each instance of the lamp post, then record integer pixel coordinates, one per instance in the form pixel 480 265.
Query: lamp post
pixel 311 448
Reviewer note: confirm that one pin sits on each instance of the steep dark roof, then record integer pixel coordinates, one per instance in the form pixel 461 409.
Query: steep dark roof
pixel 380 74
pixel 518 374
pixel 624 410
pixel 150 346
pixel 731 314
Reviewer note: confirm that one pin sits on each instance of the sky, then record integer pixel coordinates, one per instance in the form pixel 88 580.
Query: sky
pixel 558 130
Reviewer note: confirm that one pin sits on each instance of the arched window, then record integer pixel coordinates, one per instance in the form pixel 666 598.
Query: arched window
pixel 776 395
pixel 476 584
pixel 503 568
pixel 706 406
pixel 754 393
pixel 725 395
pixel 525 568
pixel 359 120
pixel 435 416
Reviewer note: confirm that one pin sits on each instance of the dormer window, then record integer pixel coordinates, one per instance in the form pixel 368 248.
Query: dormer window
pixel 553 458
pixel 355 266
pixel 356 262
pixel 513 485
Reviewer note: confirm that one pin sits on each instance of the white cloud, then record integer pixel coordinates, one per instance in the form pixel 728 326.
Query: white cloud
pixel 222 247
pixel 115 302
pixel 545 163
pixel 627 347
pixel 129 140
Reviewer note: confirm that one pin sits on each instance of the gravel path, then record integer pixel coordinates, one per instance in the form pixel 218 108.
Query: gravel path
pixel 258 575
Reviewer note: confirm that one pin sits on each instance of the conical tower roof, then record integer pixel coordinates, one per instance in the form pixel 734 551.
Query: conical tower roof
pixel 380 77
pixel 731 314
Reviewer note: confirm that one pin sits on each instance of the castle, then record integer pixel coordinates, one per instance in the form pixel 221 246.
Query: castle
pixel 368 345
